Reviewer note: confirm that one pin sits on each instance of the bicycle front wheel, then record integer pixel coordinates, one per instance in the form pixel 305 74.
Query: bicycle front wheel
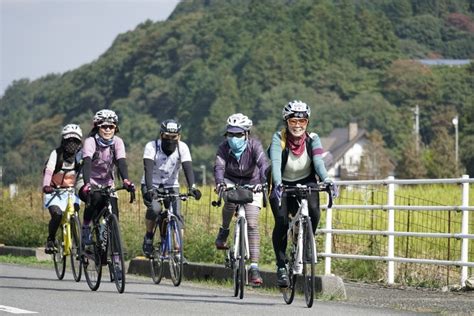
pixel 241 259
pixel 156 261
pixel 116 261
pixel 59 258
pixel 91 261
pixel 175 252
pixel 76 262
pixel 308 263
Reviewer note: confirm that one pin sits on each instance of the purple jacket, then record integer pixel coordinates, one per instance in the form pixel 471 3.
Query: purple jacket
pixel 250 169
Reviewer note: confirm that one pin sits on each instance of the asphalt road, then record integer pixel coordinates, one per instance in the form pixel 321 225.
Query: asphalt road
pixel 34 289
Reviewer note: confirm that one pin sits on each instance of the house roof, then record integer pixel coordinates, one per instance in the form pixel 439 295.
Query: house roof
pixel 338 143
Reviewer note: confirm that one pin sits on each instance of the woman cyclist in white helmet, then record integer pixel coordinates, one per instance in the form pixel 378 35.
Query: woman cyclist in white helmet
pixel 103 150
pixel 61 171
pixel 241 160
pixel 299 162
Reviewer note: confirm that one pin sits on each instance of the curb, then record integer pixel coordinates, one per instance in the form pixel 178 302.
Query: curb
pixel 330 286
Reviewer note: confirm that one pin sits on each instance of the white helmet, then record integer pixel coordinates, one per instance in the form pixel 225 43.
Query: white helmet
pixel 296 108
pixel 72 130
pixel 238 123
pixel 105 116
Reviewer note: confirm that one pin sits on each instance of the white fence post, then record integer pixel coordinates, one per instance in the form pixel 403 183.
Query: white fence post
pixel 391 228
pixel 465 229
pixel 328 242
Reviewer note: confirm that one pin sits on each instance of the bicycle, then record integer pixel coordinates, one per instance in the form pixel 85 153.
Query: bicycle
pixel 302 254
pixel 106 247
pixel 68 237
pixel 170 245
pixel 237 255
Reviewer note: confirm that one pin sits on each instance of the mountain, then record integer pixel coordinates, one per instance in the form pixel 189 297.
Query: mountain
pixel 349 60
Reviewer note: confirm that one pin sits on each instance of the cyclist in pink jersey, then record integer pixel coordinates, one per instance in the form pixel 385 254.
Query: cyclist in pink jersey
pixel 102 151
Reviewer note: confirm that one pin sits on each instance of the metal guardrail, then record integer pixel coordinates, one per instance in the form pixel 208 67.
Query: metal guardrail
pixel 464 207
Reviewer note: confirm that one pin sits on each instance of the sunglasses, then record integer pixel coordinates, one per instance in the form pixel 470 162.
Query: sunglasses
pixel 297 121
pixel 105 127
pixel 238 135
pixel 170 136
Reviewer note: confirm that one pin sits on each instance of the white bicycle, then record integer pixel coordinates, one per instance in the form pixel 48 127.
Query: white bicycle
pixel 302 255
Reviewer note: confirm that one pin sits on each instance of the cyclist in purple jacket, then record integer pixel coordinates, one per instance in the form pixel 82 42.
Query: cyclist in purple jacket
pixel 241 160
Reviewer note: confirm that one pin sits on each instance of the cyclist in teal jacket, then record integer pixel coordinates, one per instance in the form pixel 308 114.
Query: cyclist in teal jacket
pixel 296 157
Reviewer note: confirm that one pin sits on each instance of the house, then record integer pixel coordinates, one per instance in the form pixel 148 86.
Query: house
pixel 344 148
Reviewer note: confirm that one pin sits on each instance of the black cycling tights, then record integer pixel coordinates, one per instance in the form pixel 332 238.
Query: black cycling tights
pixel 56 215
pixel 280 214
pixel 96 204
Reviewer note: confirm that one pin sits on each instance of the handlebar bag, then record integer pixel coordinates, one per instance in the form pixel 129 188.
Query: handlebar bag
pixel 239 196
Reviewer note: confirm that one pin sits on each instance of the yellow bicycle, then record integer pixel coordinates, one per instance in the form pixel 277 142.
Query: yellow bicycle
pixel 68 238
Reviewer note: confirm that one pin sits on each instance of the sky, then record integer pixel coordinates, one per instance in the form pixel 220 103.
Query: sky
pixel 39 37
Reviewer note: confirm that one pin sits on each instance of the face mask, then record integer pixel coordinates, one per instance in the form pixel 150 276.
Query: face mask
pixel 71 146
pixel 169 146
pixel 237 145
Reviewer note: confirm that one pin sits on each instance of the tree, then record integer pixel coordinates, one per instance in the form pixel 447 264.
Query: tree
pixel 411 166
pixel 375 162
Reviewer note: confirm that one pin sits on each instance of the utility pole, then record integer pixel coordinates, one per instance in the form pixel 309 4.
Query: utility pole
pixel 416 110
pixel 456 150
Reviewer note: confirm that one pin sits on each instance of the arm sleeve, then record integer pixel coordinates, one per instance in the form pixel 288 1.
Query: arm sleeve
pixel 188 172
pixel 219 166
pixel 122 168
pixel 49 169
pixel 317 155
pixel 86 169
pixel 148 165
pixel 262 161
pixel 275 157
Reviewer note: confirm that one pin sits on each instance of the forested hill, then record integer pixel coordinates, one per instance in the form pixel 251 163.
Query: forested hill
pixel 349 60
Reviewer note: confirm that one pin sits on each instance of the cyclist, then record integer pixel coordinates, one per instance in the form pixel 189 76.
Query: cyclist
pixel 162 160
pixel 102 150
pixel 61 171
pixel 296 158
pixel 241 160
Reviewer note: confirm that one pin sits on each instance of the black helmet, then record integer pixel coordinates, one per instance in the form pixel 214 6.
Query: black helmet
pixel 170 126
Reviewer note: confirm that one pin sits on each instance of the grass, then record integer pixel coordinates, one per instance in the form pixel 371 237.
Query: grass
pixel 24 223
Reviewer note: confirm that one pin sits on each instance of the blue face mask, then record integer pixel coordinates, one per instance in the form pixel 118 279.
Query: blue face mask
pixel 237 145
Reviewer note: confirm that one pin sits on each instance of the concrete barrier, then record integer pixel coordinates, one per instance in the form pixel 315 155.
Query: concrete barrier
pixel 329 286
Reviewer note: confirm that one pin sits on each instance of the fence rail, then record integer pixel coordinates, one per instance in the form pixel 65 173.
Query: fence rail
pixel 390 207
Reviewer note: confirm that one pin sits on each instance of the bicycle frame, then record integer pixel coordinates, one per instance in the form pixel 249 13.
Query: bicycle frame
pixel 240 217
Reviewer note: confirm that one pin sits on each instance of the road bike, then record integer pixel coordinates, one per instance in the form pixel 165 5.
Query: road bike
pixel 106 248
pixel 170 244
pixel 302 255
pixel 238 253
pixel 68 237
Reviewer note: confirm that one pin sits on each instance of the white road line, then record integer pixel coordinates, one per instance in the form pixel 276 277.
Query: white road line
pixel 14 310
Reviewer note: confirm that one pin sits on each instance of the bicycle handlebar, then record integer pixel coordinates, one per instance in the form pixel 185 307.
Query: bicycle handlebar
pixel 110 190
pixel 249 187
pixel 302 189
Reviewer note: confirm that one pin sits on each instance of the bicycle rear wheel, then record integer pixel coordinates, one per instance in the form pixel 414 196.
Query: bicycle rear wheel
pixel 76 262
pixel 308 263
pixel 156 261
pixel 175 252
pixel 289 292
pixel 115 260
pixel 91 262
pixel 58 257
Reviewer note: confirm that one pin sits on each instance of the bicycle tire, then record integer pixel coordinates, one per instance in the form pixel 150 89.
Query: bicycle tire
pixel 175 252
pixel 156 260
pixel 289 292
pixel 76 262
pixel 234 259
pixel 116 260
pixel 308 263
pixel 242 250
pixel 91 262
pixel 58 256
